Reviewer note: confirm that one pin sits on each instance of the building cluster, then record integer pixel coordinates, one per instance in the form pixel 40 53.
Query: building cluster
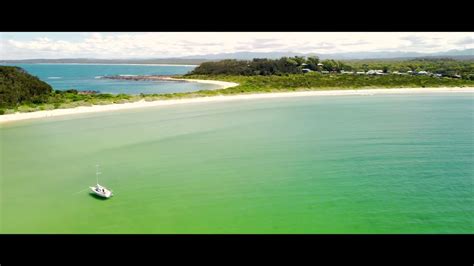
pixel 375 72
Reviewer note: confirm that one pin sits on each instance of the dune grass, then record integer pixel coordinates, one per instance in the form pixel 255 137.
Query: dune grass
pixel 248 85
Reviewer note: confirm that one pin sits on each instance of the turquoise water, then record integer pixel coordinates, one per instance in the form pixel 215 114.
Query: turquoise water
pixel 334 164
pixel 87 77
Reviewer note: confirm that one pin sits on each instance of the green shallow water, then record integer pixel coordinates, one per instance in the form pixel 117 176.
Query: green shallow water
pixel 334 164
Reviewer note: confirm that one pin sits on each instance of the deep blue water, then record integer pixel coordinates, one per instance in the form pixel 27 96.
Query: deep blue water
pixel 87 77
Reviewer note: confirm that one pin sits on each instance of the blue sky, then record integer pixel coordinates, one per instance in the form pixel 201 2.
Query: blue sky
pixel 27 45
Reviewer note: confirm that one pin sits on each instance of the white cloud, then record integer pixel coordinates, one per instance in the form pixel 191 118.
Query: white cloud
pixel 169 44
pixel 469 40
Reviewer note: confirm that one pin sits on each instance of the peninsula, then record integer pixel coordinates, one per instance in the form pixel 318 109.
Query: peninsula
pixel 255 79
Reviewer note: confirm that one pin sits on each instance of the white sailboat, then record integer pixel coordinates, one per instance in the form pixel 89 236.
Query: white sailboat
pixel 100 190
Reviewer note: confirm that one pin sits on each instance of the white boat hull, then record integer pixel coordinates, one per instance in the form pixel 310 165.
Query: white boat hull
pixel 101 191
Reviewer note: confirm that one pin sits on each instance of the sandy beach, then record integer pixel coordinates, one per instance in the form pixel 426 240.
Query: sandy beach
pixel 143 104
pixel 222 84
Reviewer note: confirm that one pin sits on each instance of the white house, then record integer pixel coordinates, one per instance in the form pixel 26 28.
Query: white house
pixel 375 72
pixel 399 73
pixel 424 73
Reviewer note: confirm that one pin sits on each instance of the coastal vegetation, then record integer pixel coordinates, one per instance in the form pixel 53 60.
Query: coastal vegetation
pixel 447 67
pixel 21 92
pixel 69 99
pixel 17 86
pixel 318 81
pixel 297 65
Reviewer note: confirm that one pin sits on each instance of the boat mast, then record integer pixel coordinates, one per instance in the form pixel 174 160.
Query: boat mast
pixel 97 173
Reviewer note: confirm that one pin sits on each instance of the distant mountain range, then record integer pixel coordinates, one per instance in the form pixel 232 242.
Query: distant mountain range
pixel 171 61
pixel 337 56
pixel 467 54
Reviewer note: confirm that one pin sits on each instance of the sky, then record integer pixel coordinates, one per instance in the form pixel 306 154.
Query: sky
pixel 118 45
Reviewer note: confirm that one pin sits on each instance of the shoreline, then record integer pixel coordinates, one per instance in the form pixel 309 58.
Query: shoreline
pixel 221 84
pixel 143 104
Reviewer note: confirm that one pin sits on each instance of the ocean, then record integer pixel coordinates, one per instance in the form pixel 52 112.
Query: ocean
pixel 326 164
pixel 88 77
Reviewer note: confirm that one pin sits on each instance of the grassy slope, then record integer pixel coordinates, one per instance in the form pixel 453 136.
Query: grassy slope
pixel 316 81
pixel 256 84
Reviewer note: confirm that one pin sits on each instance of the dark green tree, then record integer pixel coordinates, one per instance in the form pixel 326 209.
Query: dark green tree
pixel 17 86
